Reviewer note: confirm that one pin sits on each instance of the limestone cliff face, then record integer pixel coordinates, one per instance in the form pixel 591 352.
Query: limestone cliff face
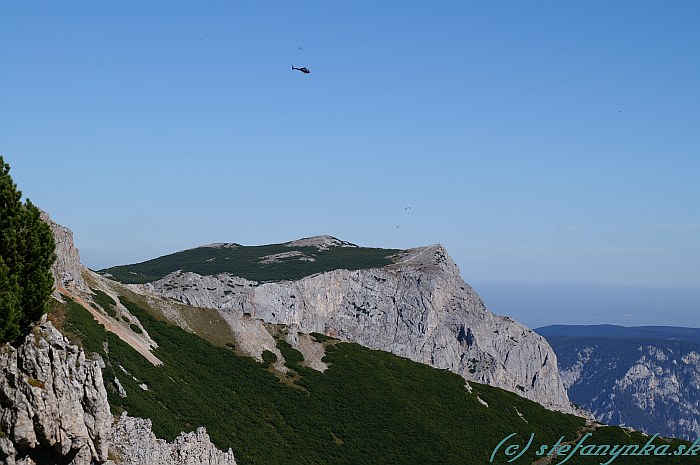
pixel 419 308
pixel 53 404
pixel 135 444
pixel 67 269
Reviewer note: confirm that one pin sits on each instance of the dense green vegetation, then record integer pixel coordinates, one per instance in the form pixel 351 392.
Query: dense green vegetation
pixel 369 407
pixel 78 322
pixel 26 255
pixel 246 262
pixel 268 357
pixel 106 302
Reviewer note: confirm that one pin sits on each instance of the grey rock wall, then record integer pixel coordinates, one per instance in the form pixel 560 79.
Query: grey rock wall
pixel 53 404
pixel 67 269
pixel 135 444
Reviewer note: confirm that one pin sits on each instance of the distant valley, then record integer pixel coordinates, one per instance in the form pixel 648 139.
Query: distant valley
pixel 644 377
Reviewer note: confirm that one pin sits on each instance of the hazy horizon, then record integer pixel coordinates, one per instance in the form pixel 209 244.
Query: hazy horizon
pixel 543 304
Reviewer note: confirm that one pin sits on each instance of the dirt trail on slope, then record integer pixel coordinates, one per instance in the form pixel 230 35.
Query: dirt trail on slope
pixel 111 326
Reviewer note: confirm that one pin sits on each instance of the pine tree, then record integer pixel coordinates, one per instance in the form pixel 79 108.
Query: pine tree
pixel 10 310
pixel 26 255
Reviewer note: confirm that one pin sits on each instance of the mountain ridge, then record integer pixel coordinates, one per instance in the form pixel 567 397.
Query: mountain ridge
pixel 677 333
pixel 290 260
pixel 415 305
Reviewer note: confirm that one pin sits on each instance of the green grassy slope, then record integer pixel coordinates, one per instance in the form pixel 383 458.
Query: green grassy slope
pixel 369 407
pixel 245 261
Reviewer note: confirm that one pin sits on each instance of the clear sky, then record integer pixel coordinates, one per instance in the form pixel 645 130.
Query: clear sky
pixel 551 146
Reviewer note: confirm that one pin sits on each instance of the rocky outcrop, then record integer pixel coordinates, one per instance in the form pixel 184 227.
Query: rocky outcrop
pixel 67 269
pixel 54 410
pixel 320 242
pixel 53 404
pixel 135 444
pixel 418 307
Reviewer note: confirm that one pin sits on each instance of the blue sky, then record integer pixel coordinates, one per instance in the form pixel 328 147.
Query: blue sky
pixel 549 145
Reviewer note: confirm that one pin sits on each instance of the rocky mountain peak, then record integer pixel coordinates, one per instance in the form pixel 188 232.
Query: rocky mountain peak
pixel 428 259
pixel 222 245
pixel 320 242
pixel 417 307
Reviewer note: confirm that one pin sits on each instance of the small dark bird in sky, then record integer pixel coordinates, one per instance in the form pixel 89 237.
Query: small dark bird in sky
pixel 303 70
